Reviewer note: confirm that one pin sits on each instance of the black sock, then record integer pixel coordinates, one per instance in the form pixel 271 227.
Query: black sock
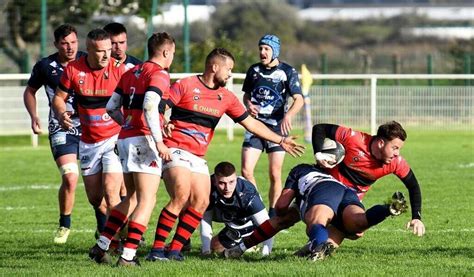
pixel 377 214
pixel 101 219
pixel 65 220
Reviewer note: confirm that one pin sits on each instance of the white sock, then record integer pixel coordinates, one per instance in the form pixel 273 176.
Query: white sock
pixel 129 253
pixel 103 243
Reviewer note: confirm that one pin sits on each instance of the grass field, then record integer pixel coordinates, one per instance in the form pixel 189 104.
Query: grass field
pixel 443 163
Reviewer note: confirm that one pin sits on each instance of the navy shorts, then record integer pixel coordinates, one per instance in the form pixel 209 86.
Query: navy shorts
pixel 329 193
pixel 63 143
pixel 350 198
pixel 253 141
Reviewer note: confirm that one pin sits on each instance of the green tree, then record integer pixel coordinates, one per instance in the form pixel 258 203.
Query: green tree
pixel 23 19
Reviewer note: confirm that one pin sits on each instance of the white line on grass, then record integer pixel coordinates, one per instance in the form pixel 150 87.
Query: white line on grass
pixel 469 165
pixel 32 187
pixel 464 230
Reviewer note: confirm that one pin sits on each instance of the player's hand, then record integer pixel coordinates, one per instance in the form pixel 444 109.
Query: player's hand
pixel 163 151
pixel 65 120
pixel 293 148
pixel 325 160
pixel 253 109
pixel 355 236
pixel 417 226
pixel 286 125
pixel 36 125
pixel 168 128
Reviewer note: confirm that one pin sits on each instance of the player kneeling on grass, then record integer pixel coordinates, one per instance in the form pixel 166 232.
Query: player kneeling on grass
pixel 235 202
pixel 320 199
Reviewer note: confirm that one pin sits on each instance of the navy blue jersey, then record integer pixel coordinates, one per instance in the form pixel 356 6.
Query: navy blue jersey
pixel 47 72
pixel 239 209
pixel 131 61
pixel 303 177
pixel 270 89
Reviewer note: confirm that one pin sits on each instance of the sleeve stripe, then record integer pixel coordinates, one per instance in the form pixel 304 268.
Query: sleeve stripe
pixel 155 89
pixel 240 118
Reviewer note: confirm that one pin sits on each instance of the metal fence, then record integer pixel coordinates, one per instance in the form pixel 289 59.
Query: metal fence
pixel 422 107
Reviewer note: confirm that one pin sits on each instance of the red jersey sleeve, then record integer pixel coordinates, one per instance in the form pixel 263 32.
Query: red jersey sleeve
pixel 235 109
pixel 343 134
pixel 160 80
pixel 402 168
pixel 176 92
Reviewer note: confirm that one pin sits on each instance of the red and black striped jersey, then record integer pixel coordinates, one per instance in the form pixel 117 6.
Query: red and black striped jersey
pixel 132 87
pixel 196 110
pixel 360 169
pixel 93 88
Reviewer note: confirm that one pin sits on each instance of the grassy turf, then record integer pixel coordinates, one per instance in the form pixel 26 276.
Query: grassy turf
pixel 443 163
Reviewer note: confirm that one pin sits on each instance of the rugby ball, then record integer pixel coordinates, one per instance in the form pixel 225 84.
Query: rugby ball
pixel 334 149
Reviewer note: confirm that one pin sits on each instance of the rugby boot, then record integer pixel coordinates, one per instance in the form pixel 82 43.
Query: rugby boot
pixel 123 262
pixel 99 256
pixel 61 235
pixel 397 204
pixel 322 251
pixel 303 251
pixel 156 254
pixel 175 255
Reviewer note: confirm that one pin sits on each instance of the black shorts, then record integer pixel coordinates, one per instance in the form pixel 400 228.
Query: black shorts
pixel 253 141
pixel 62 143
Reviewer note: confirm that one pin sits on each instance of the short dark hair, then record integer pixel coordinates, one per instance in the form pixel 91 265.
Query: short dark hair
pixel 391 130
pixel 98 34
pixel 221 53
pixel 64 31
pixel 157 40
pixel 224 169
pixel 115 28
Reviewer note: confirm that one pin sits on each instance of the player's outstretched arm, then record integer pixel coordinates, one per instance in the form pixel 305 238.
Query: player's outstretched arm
pixel 414 190
pixel 259 129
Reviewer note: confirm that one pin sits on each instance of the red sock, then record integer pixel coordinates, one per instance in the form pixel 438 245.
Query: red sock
pixel 188 222
pixel 163 228
pixel 115 221
pixel 260 234
pixel 135 233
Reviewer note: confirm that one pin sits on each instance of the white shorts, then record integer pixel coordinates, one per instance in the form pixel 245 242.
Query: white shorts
pixel 139 154
pixel 183 158
pixel 99 156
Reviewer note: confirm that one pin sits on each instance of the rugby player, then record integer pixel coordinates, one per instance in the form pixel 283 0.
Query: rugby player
pixel 235 202
pixel 64 143
pixel 118 37
pixel 92 79
pixel 198 103
pixel 140 146
pixel 319 200
pixel 368 158
pixel 267 87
